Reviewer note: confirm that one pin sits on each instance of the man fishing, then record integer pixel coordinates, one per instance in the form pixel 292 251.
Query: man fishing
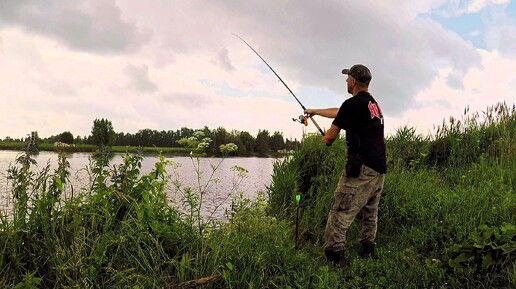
pixel 360 186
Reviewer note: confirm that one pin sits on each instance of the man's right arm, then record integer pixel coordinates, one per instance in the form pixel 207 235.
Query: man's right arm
pixel 325 112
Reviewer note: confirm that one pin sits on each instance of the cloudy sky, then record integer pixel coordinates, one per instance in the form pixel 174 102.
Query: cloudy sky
pixel 164 65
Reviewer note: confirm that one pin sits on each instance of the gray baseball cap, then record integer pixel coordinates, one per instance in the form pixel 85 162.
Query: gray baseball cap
pixel 359 72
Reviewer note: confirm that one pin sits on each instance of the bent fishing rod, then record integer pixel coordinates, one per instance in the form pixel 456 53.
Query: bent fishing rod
pixel 302 118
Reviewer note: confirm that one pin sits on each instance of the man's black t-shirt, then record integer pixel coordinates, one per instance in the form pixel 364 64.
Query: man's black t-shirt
pixel 362 119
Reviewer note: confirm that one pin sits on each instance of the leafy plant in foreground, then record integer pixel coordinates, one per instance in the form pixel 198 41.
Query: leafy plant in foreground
pixel 195 197
pixel 486 250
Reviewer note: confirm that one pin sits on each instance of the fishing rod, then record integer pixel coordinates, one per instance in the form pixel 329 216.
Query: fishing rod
pixel 302 118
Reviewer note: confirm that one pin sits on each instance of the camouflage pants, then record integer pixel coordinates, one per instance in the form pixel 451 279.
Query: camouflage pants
pixel 354 195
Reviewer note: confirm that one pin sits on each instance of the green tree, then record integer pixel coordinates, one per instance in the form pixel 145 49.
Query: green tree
pixel 32 141
pixel 292 144
pixel 185 132
pixel 248 141
pixel 146 137
pixel 262 143
pixel 79 140
pixel 220 136
pixel 103 133
pixel 276 142
pixel 66 137
pixel 234 137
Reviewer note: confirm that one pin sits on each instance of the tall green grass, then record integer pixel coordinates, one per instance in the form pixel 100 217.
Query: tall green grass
pixel 116 233
pixel 311 172
pixel 447 219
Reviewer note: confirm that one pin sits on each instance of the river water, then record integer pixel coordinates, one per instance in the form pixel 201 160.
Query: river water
pixel 215 176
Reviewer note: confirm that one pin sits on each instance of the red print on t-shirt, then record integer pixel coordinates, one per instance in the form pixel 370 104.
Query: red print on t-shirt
pixel 374 110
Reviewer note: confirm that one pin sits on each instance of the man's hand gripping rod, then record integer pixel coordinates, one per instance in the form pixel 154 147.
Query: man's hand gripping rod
pixel 302 106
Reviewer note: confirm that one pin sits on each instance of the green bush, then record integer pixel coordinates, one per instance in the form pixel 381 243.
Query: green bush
pixel 311 172
pixel 121 232
pixel 406 149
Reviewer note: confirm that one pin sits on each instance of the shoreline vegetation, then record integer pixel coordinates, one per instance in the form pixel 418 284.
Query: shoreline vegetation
pixel 447 219
pixel 85 148
pixel 104 139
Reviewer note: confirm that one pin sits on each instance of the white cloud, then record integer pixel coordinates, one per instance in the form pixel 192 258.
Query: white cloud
pixel 455 8
pixel 140 80
pixel 95 26
pixel 494 82
pixel 501 31
pixel 475 6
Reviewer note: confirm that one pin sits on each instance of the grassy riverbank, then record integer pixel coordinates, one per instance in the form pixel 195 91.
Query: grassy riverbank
pixel 446 221
pixel 20 146
pixel 169 151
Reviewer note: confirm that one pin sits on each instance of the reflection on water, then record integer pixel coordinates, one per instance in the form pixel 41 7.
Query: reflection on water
pixel 197 174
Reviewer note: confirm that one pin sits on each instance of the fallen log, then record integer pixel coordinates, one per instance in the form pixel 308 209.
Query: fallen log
pixel 196 283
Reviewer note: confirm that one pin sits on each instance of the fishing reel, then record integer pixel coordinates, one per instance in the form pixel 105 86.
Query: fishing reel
pixel 302 119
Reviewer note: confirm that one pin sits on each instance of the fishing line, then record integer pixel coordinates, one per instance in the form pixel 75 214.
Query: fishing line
pixel 302 118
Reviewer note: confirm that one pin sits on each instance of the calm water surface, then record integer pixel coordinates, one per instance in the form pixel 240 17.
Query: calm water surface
pixel 223 182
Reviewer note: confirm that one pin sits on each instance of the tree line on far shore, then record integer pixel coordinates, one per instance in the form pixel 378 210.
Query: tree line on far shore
pixel 103 135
